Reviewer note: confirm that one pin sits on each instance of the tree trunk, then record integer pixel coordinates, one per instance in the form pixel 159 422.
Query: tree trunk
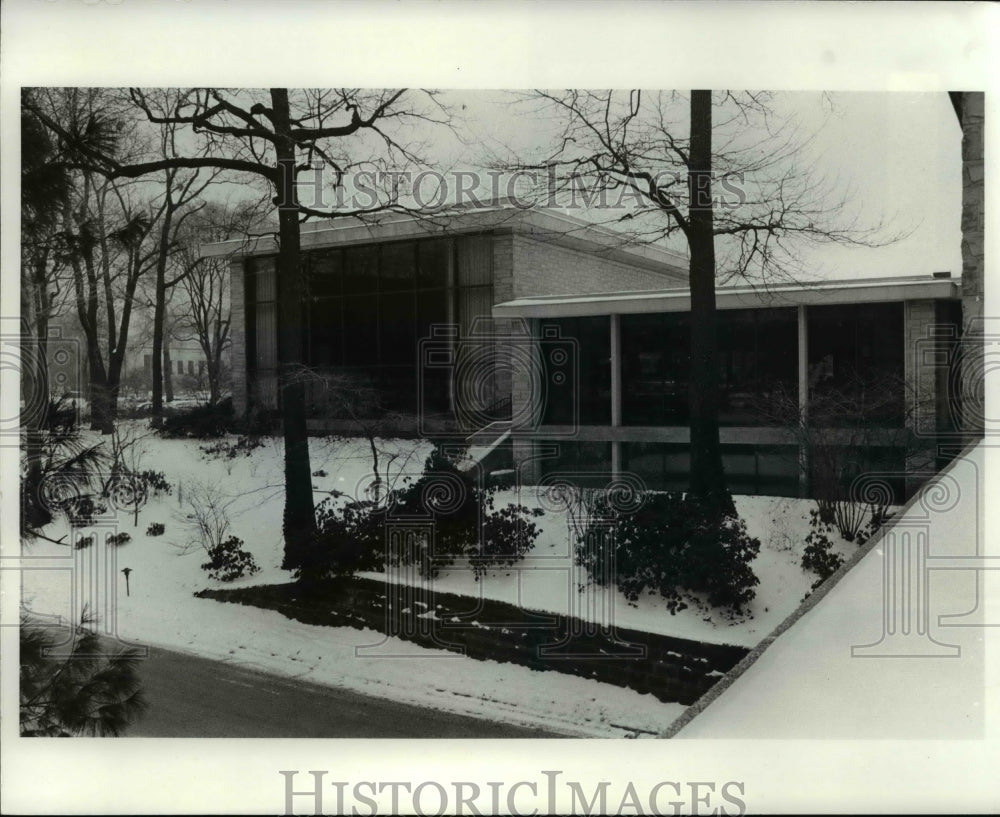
pixel 708 481
pixel 168 379
pixel 161 355
pixel 299 523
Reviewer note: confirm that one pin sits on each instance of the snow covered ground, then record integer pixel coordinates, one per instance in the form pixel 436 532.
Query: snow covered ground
pixel 885 653
pixel 159 607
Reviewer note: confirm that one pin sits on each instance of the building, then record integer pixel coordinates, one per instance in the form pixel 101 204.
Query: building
pixel 558 339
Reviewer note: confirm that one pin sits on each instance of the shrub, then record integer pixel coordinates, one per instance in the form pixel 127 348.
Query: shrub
pixel 154 481
pixel 202 422
pixel 82 511
pixel 118 539
pixel 84 542
pixel 673 546
pixel 348 538
pixel 155 529
pixel 818 555
pixel 228 450
pixel 507 536
pixel 228 561
pixel 352 537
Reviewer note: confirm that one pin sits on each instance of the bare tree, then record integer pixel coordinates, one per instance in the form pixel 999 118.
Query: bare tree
pixel 711 169
pixel 273 136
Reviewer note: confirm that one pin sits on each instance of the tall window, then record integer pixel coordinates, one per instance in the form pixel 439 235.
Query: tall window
pixel 856 368
pixel 263 334
pixel 757 366
pixel 371 305
pixel 577 362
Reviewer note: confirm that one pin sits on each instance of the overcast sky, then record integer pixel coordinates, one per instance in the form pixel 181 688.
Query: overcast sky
pixel 899 154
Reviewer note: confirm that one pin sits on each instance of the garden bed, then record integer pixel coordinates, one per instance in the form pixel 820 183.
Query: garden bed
pixel 674 670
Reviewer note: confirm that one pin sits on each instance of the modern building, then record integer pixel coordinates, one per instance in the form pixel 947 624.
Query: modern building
pixel 558 338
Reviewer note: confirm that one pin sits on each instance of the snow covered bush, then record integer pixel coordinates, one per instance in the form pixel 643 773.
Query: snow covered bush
pixel 508 534
pixel 673 546
pixel 352 536
pixel 203 422
pixel 155 529
pixel 118 539
pixel 228 561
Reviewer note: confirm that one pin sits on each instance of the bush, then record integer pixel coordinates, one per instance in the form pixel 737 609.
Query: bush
pixel 348 539
pixel 155 482
pixel 203 422
pixel 818 555
pixel 227 450
pixel 84 542
pixel 118 539
pixel 228 561
pixel 507 536
pixel 352 537
pixel 673 546
pixel 82 511
pixel 155 529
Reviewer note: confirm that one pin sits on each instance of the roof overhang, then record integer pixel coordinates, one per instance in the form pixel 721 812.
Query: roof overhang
pixel 737 297
pixel 550 226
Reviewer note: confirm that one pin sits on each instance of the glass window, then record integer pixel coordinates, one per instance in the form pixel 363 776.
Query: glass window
pixel 361 330
pixel 360 270
pixel 576 354
pixel 397 325
pixel 325 274
pixel 655 365
pixel 475 260
pixel 856 364
pixel 432 263
pixel 397 267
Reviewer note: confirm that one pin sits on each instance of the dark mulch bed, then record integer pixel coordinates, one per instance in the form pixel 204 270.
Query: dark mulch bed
pixel 675 670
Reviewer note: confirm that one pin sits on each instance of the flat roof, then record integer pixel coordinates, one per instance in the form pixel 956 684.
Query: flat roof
pixel 559 228
pixel 678 299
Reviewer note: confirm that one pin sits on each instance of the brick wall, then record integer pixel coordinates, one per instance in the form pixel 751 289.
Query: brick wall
pixel 543 268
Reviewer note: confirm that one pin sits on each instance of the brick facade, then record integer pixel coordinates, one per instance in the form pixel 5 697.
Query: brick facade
pixel 543 268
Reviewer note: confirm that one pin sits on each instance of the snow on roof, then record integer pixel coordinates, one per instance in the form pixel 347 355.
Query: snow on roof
pixel 863 660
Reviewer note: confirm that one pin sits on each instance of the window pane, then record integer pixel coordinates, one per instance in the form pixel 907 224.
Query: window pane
pixel 397 266
pixel 325 332
pixel 577 359
pixel 266 344
pixel 432 264
pixel 361 330
pixel 265 278
pixel 856 364
pixel 397 328
pixel 325 270
pixel 475 260
pixel 360 271
pixel 655 366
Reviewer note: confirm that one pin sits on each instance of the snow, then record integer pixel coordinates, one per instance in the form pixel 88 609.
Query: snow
pixel 811 682
pixel 160 607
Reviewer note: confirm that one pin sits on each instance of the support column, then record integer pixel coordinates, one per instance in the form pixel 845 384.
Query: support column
pixel 616 391
pixel 803 352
